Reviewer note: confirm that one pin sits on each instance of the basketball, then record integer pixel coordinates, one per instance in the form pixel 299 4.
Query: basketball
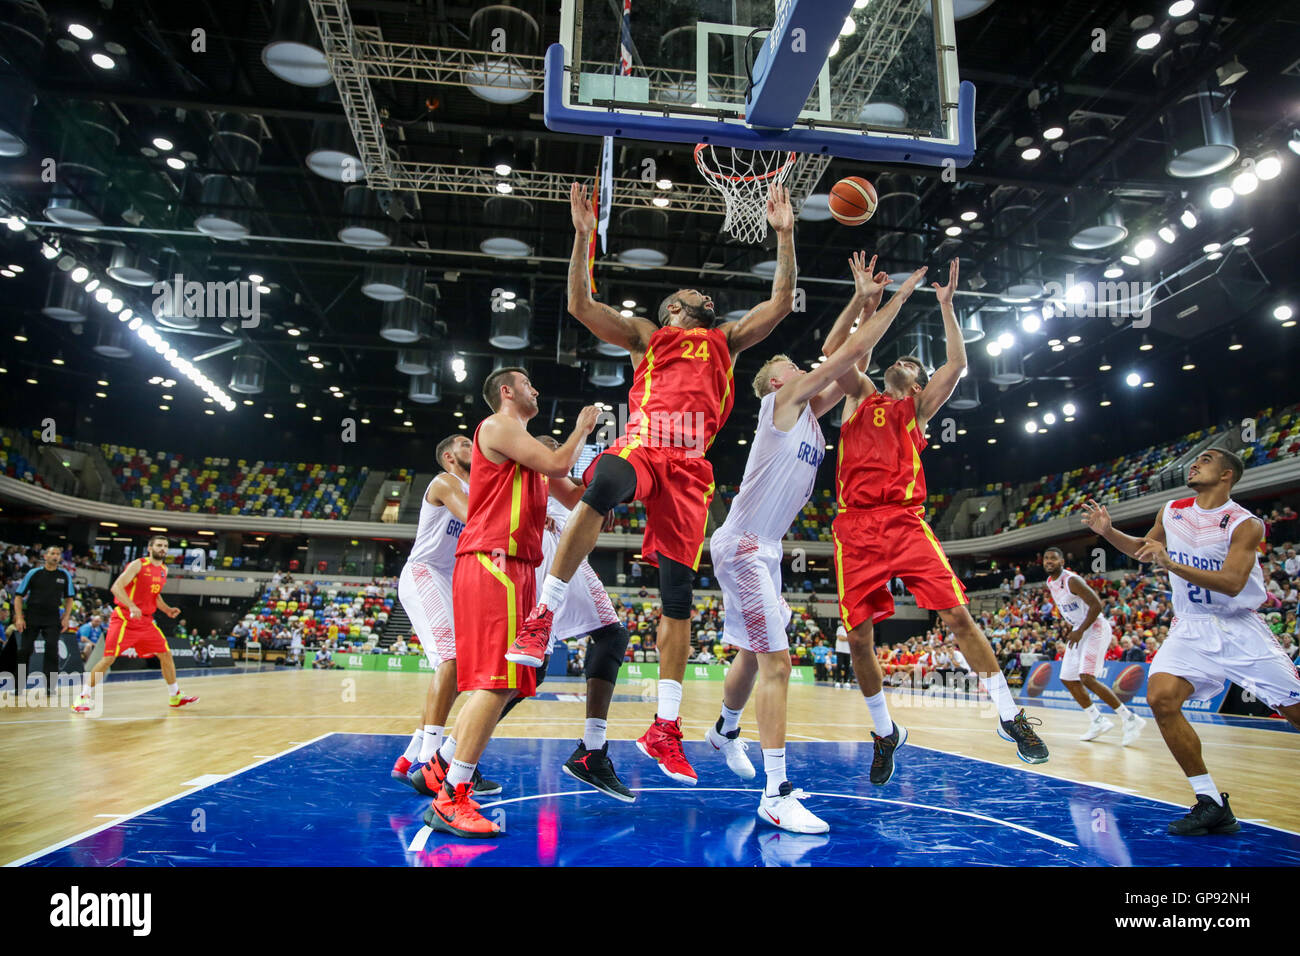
pixel 853 201
pixel 1127 683
pixel 1038 679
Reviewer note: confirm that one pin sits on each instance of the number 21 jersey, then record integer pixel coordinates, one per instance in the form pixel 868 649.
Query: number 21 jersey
pixel 1200 538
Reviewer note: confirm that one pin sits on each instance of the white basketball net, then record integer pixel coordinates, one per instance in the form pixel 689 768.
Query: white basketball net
pixel 743 176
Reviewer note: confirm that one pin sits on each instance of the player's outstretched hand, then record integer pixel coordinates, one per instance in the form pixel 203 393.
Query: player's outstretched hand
pixel 1096 517
pixel 587 419
pixel 1152 552
pixel 780 215
pixel 866 281
pixel 910 283
pixel 584 218
pixel 944 292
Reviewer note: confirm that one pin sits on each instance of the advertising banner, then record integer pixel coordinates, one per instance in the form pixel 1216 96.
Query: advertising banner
pixel 1127 680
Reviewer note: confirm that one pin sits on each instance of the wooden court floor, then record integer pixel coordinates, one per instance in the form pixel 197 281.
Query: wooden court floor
pixel 64 773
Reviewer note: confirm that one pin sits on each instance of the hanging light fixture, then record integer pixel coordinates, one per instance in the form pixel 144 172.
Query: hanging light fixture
pixel 294 51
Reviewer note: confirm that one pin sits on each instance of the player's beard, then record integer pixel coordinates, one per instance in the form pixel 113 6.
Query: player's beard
pixel 897 380
pixel 464 462
pixel 703 317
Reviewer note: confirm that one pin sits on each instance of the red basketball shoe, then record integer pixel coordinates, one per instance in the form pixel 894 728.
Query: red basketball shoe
pixel 400 768
pixel 180 700
pixel 663 743
pixel 534 638
pixel 456 813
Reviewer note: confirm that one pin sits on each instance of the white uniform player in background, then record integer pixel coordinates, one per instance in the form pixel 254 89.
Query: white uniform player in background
pixel 424 588
pixel 746 551
pixel 585 611
pixel 1209 544
pixel 1085 652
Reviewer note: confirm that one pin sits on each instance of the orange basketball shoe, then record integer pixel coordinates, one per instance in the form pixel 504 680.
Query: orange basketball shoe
pixel 534 638
pixel 663 744
pixel 455 812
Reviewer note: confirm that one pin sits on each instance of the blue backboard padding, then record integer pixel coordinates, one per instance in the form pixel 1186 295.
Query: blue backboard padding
pixel 785 70
pixel 679 129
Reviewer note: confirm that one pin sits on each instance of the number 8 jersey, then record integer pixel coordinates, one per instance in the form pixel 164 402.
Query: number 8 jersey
pixel 1200 538
pixel 882 445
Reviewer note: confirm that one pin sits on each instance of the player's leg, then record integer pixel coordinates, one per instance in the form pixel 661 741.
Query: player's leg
pixel 662 742
pixel 86 701
pixel 590 761
pixel 737 688
pixel 453 810
pixel 1132 723
pixel 780 803
pixel 425 595
pixel 1098 723
pixel 1166 694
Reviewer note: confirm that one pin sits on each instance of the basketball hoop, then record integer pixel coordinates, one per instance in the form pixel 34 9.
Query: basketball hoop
pixel 743 176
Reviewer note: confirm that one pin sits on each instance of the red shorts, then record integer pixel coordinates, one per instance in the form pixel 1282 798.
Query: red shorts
pixel 491 603
pixel 874 546
pixel 141 633
pixel 676 491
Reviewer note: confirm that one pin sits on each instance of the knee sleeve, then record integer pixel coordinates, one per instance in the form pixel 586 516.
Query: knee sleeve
pixel 675 582
pixel 613 483
pixel 605 650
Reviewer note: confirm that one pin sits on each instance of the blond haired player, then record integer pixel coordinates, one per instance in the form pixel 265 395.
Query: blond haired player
pixel 1209 544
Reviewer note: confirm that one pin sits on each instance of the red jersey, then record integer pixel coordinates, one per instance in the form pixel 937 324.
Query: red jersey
pixel 507 509
pixel 681 392
pixel 145 587
pixel 879 455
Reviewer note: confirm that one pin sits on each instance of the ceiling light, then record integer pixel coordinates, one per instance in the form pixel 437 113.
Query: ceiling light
pixel 1168 233
pixel 1210 247
pixel 660 201
pixel 256 278
pixel 1105 366
pixel 953 230
pixel 1268 166
pixel 1221 197
pixel 849 27
pixel 300 404
pixel 103 61
pixel 1129 260
pixel 163 143
pixel 80 32
pixel 505 188
pixel 503 169
pixel 1241 240
pixel 1282 313
pixel 1031 322
pixel 1055 131
pixel 174 163
pixel 1148 41
pixel 1188 364
pixel 1113 271
pixel 1032 403
pixel 1074 339
pixel 1188 217
pixel 1068 408
pixel 1031 426
pixel 79 274
pixel 1006 340
pixel 1293 141
pixel 1132 379
pixel 1235 345
pixel 1245 182
pixel 1145 248
pixel 1058 347
pixel 1146 345
pixel 1105 402
pixel 1180 8
pixel 993 348
pixel 1031 153
pixel 970 215
pixel 1148 384
pixel 1049 418
pixel 1215 255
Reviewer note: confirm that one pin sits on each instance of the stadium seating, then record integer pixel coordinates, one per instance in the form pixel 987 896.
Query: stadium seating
pixel 14 465
pixel 171 482
pixel 343 615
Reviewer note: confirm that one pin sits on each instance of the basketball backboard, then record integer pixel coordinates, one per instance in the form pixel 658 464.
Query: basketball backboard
pixel 871 80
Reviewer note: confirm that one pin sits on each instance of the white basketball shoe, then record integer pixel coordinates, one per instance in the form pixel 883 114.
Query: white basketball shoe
pixel 785 811
pixel 733 748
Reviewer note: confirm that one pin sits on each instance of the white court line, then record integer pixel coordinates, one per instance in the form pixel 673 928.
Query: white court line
pixel 820 740
pixel 113 816
pixel 811 793
pixel 1108 786
pixel 154 806
pixel 204 780
pixel 420 839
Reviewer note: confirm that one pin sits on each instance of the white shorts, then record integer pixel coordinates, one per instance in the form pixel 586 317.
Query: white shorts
pixel 1089 655
pixel 1206 650
pixel 425 594
pixel 748 569
pixel 586 606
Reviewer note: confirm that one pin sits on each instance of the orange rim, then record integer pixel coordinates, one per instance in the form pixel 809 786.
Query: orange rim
pixel 701 147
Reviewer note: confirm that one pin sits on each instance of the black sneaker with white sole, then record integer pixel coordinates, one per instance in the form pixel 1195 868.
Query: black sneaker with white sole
pixel 594 768
pixel 483 787
pixel 882 760
pixel 1020 730
pixel 1206 817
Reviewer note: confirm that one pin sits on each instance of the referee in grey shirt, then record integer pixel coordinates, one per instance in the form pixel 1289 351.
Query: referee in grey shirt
pixel 42 609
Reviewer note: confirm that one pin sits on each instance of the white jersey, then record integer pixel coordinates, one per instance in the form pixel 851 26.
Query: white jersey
pixel 557 513
pixel 436 535
pixel 1071 606
pixel 1200 538
pixel 779 474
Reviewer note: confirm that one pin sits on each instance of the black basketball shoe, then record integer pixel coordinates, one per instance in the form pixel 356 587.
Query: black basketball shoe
pixel 882 760
pixel 1206 817
pixel 594 768
pixel 485 788
pixel 1020 729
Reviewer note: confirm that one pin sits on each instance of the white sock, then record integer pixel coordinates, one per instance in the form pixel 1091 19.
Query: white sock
pixel 448 749
pixel 670 700
pixel 730 719
pixel 1124 712
pixel 996 686
pixel 774 766
pixel 413 748
pixel 459 772
pixel 175 689
pixel 879 707
pixel 431 742
pixel 593 733
pixel 1204 784
pixel 553 592
pixel 1092 711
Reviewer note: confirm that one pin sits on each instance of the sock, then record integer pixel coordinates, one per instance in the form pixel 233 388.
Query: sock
pixel 175 689
pixel 1124 712
pixel 553 592
pixel 1092 711
pixel 730 720
pixel 593 733
pixel 774 766
pixel 413 748
pixel 879 708
pixel 459 772
pixel 670 700
pixel 448 749
pixel 1204 784
pixel 996 686
pixel 431 742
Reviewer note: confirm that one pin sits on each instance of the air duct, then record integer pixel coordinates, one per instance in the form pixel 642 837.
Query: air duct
pixel 113 342
pixel 497 78
pixel 390 283
pixel 510 327
pixel 425 389
pixel 511 223
pixel 294 51
pixel 645 232
pixel 65 301
pixel 414 361
pixel 248 377
pixel 133 267
pixel 364 223
pixel 402 321
pixel 606 374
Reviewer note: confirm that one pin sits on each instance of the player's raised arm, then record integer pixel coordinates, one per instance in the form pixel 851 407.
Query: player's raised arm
pixel 1231 579
pixel 119 586
pixel 605 323
pixel 763 318
pixel 1097 519
pixel 445 491
pixel 843 364
pixel 506 437
pixel 564 490
pixel 945 377
pixel 868 287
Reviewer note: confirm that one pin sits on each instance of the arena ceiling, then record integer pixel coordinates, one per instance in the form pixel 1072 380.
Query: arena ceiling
pixel 1110 103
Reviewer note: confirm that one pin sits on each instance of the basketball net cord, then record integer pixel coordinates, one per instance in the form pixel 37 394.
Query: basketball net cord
pixel 743 176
